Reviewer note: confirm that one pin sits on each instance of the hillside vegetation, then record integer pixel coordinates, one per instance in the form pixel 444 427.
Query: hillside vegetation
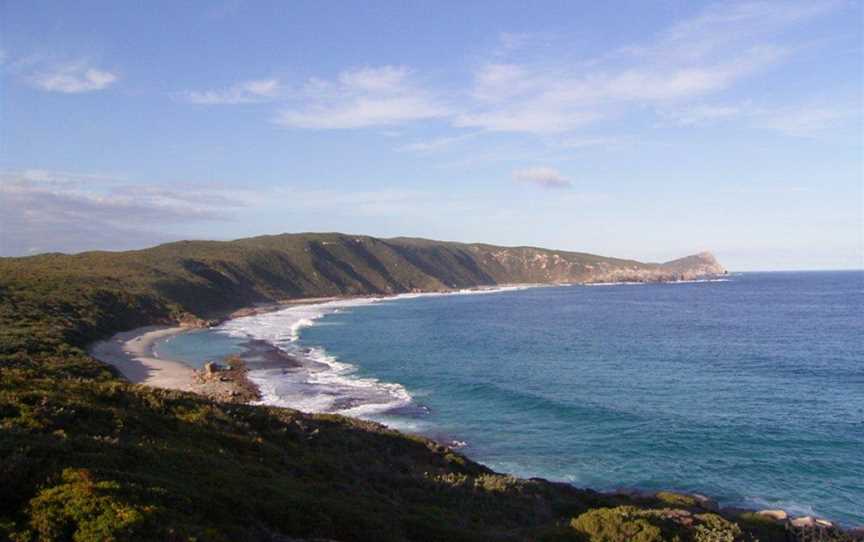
pixel 87 456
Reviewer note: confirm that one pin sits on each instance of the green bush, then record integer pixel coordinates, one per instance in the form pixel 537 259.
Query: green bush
pixel 713 528
pixel 83 509
pixel 621 524
pixel 676 499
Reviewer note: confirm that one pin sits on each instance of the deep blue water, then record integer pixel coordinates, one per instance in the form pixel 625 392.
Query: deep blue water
pixel 750 390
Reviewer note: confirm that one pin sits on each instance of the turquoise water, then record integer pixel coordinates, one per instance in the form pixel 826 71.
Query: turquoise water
pixel 198 347
pixel 750 390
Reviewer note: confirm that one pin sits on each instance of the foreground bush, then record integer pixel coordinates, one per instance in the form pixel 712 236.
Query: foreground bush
pixel 617 525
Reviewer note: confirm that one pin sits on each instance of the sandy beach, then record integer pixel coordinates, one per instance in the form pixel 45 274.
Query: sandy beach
pixel 131 352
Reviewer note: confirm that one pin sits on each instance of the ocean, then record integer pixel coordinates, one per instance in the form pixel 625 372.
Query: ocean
pixel 750 389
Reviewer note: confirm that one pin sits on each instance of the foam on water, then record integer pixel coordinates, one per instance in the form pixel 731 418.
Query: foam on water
pixel 322 383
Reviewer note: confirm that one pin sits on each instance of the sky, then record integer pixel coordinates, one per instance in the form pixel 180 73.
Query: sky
pixel 646 130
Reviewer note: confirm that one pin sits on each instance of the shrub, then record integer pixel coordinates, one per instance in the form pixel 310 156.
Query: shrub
pixel 83 509
pixel 713 528
pixel 676 499
pixel 624 523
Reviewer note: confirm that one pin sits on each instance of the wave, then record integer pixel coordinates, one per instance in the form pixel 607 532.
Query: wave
pixel 322 383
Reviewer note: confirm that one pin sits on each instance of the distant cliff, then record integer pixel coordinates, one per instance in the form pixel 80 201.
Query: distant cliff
pixel 208 278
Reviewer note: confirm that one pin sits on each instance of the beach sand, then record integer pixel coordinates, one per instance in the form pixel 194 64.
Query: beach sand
pixel 131 352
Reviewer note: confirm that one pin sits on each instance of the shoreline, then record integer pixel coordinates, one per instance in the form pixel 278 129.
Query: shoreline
pixel 132 354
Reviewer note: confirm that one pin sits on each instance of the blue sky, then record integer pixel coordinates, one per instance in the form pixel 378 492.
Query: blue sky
pixel 637 129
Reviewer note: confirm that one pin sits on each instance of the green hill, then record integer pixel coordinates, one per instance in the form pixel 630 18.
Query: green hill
pixel 86 456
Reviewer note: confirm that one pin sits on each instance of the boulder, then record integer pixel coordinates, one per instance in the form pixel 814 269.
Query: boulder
pixel 776 515
pixel 804 521
pixel 211 368
pixel 706 503
pixel 734 511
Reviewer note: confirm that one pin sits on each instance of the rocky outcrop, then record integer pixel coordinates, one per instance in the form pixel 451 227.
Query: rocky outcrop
pixel 776 515
pixel 226 383
pixel 546 266
pixel 699 266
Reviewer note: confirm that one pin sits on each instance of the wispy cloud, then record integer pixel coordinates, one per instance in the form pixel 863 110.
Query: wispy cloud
pixel 71 78
pixel 516 89
pixel 808 121
pixel 42 210
pixel 697 57
pixel 437 143
pixel 544 177
pixel 46 177
pixel 702 114
pixel 359 98
pixel 558 99
pixel 257 90
pixel 726 25
pixel 583 142
pixel 802 120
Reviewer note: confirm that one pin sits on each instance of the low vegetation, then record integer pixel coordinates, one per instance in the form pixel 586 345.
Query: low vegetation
pixel 86 456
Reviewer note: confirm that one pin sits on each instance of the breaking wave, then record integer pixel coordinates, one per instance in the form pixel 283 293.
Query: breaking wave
pixel 319 382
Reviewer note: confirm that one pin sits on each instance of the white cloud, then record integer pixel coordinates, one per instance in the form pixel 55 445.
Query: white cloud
pixel 384 79
pixel 72 78
pixel 53 177
pixel 807 121
pixel 725 25
pixel 543 99
pixel 379 96
pixel 693 60
pixel 545 177
pixel 537 118
pixel 437 143
pixel 42 210
pixel 697 57
pixel 360 113
pixel 702 114
pixel 246 92
pixel 496 82
pixel 582 142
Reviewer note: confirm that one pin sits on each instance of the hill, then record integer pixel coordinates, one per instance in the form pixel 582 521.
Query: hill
pixel 85 455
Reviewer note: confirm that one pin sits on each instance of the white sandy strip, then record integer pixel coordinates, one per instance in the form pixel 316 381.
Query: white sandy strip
pixel 132 353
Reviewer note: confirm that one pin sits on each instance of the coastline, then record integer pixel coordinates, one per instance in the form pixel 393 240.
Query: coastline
pixel 132 353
